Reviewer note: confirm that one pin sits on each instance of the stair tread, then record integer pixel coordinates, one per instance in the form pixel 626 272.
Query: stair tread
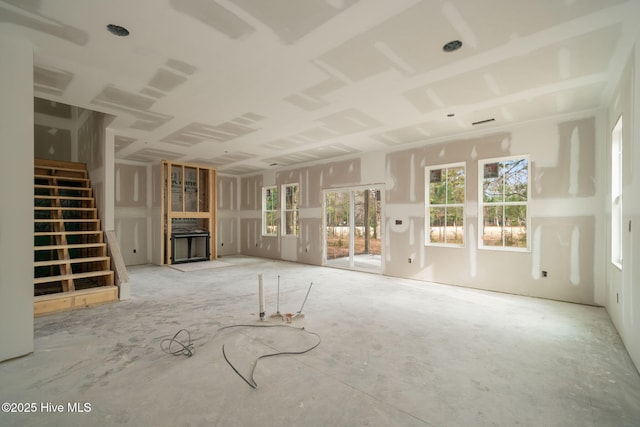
pixel 67 220
pixel 61 187
pixel 68 246
pixel 70 261
pixel 61 233
pixel 61 177
pixel 79 292
pixel 64 208
pixel 83 275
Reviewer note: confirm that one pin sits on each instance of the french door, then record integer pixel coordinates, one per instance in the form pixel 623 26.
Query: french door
pixel 353 228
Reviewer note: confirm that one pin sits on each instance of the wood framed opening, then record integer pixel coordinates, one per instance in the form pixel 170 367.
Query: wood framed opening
pixel 188 213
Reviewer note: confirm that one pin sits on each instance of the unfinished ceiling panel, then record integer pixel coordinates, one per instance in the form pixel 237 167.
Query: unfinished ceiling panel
pixel 153 155
pixel 134 105
pixel 240 169
pixel 364 74
pixel 181 66
pixel 121 142
pixel 51 80
pixel 293 20
pixel 349 121
pixel 228 159
pixel 493 29
pixel 27 14
pixel 166 80
pixel 401 43
pixel 215 16
pixel 323 152
pixel 195 133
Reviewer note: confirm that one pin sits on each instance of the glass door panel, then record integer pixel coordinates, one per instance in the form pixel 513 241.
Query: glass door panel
pixel 338 228
pixel 367 242
pixel 353 229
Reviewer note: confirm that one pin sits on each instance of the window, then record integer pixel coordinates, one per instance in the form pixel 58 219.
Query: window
pixel 290 202
pixel 444 199
pixel 503 209
pixel 270 211
pixel 616 194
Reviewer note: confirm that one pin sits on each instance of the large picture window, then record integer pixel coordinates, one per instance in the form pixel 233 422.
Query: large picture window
pixel 616 194
pixel 290 202
pixel 270 211
pixel 503 209
pixel 445 200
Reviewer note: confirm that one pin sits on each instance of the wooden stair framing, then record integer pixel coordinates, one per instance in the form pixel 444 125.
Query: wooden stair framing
pixel 71 265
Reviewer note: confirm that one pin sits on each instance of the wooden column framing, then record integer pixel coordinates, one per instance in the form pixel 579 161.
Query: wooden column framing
pixel 209 216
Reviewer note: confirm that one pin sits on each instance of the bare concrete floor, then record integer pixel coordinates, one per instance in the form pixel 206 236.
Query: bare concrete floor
pixel 393 353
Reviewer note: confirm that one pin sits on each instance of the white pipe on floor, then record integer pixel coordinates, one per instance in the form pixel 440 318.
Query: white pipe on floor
pixel 261 296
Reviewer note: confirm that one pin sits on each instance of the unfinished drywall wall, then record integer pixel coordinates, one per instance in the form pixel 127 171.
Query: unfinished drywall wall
pixel 132 216
pixel 307 247
pixel 623 285
pixel 156 235
pixel 228 215
pixel 55 130
pixel 16 192
pixel 91 151
pixel 564 210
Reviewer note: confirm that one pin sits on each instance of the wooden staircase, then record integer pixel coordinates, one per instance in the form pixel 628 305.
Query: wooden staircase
pixel 71 266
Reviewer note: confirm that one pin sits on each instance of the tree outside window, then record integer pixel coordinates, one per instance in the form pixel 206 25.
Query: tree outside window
pixel 504 206
pixel 270 211
pixel 290 206
pixel 445 200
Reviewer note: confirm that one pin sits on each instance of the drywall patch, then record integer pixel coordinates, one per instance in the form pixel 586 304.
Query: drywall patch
pixel 473 249
pixel 228 158
pixel 121 142
pixel 112 95
pixel 317 153
pixel 349 121
pixel 280 144
pixel 40 22
pixel 51 108
pixel 575 256
pixel 166 80
pixel 181 66
pixel 133 104
pixel 131 185
pixel 51 80
pixel 240 169
pixel 301 17
pixel 215 16
pixel 151 92
pixel 305 102
pixel 574 173
pixel 148 155
pixel 311 98
pixel 51 143
pixel 536 247
pixel 574 161
pixel 195 133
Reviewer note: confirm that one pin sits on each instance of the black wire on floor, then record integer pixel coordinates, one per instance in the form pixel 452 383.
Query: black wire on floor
pixel 251 382
pixel 176 347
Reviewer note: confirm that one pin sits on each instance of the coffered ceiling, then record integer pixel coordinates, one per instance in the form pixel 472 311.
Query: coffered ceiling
pixel 247 85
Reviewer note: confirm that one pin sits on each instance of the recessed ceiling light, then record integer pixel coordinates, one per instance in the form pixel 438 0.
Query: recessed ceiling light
pixel 117 30
pixel 452 46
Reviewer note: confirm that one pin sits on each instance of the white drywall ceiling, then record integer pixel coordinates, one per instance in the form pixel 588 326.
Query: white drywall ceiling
pixel 244 84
